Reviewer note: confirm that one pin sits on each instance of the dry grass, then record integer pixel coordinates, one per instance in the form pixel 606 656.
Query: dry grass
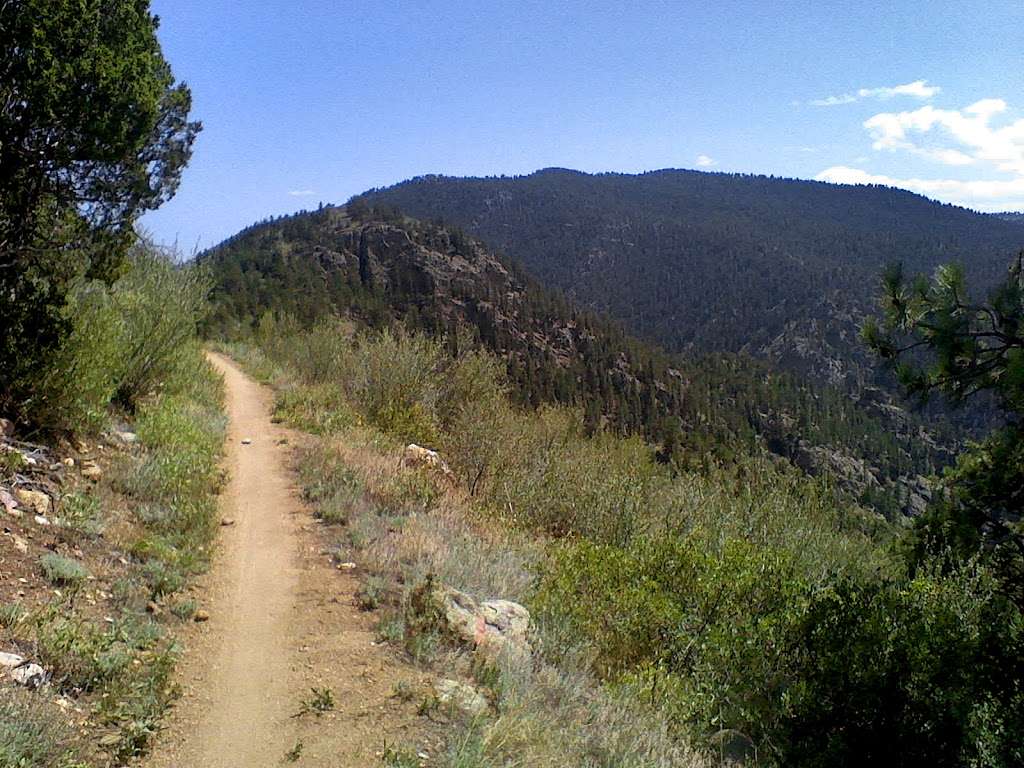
pixel 546 715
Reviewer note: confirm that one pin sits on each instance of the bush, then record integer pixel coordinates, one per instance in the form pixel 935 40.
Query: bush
pixel 125 341
pixel 62 571
pixel 32 735
pixel 928 672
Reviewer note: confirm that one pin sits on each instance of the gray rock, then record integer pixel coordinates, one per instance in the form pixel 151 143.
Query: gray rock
pixel 492 626
pixel 29 675
pixel 22 671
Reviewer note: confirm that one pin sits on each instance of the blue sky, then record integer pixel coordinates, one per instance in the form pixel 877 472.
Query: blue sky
pixel 308 100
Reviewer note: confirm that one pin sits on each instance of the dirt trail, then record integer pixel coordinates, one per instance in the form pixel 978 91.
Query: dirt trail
pixel 282 620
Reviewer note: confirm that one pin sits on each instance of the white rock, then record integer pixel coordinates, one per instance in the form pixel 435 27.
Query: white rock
pixel 463 697
pixel 10 660
pixel 246 441
pixel 418 456
pixel 21 671
pixel 126 437
pixel 30 675
pixel 493 626
pixel 41 520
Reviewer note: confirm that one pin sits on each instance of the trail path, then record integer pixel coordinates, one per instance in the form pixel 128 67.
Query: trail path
pixel 282 620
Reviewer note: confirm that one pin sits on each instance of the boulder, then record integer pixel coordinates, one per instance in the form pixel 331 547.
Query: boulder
pixel 22 671
pixel 462 697
pixel 418 456
pixel 492 626
pixel 37 501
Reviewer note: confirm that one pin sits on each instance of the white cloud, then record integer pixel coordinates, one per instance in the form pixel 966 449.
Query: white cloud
pixel 703 161
pixel 990 195
pixel 301 192
pixel 971 128
pixel 968 137
pixel 919 89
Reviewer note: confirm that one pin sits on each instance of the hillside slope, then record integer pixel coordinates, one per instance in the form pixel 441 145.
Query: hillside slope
pixel 783 269
pixel 384 269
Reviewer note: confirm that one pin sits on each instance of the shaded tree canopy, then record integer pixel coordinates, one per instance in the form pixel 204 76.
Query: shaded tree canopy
pixel 94 131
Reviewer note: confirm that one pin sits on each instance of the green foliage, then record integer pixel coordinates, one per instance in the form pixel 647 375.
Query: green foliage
pixel 320 700
pixel 81 511
pixel 62 571
pixel 125 342
pixel 940 340
pixel 94 133
pixel 33 735
pixel 922 673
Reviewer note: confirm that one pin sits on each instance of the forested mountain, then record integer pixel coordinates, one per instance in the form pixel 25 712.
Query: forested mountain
pixel 381 268
pixel 782 269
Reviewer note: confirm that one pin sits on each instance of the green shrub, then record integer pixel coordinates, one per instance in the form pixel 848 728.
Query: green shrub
pixel 81 512
pixel 62 571
pixel 707 633
pixel 160 304
pixel 928 672
pixel 32 734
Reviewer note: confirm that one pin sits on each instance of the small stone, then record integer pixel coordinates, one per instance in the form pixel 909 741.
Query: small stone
pixel 346 566
pixel 91 470
pixel 41 520
pixel 227 521
pixel 246 441
pixel 11 660
pixel 29 675
pixel 9 503
pixel 20 544
pixel 200 616
pixel 128 438
pixel 37 501
pixel 110 740
pixel 68 462
pixel 6 427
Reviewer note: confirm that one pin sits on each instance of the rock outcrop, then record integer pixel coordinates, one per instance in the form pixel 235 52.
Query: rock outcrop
pixel 492 627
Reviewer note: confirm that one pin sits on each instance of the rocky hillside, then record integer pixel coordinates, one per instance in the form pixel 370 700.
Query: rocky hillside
pixel 782 269
pixel 380 269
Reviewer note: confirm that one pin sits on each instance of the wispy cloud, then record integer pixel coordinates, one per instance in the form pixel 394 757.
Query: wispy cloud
pixel 301 192
pixel 703 161
pixel 919 89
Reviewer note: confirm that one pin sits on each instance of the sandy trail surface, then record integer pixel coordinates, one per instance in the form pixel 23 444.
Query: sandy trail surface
pixel 282 621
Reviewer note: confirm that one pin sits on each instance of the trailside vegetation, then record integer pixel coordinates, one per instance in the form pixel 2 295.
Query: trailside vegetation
pixel 94 130
pixel 752 612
